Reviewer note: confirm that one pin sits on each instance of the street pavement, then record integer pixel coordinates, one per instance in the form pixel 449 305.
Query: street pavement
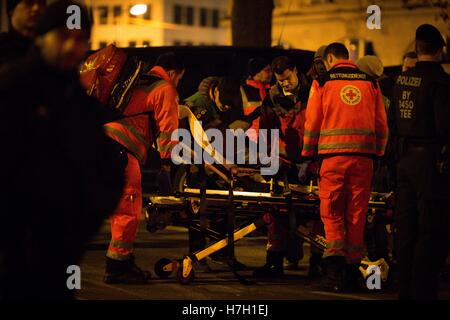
pixel 220 284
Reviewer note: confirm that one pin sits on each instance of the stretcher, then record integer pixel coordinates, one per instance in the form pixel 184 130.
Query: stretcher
pixel 243 210
pixel 301 200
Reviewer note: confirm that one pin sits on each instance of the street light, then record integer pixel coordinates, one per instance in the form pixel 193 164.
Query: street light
pixel 138 9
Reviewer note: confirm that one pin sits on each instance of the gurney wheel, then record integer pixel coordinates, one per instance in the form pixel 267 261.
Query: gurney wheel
pixel 182 279
pixel 159 268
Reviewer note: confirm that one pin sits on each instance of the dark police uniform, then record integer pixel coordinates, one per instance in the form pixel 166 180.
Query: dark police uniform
pixel 421 102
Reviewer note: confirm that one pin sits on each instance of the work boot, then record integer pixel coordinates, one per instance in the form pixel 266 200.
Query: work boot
pixel 353 281
pixel 273 267
pixel 126 272
pixel 334 280
pixel 316 268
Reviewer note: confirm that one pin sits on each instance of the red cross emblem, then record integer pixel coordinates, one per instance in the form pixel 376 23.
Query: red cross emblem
pixel 350 95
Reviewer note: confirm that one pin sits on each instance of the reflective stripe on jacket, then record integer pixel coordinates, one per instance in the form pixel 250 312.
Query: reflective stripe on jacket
pixel 155 101
pixel 345 114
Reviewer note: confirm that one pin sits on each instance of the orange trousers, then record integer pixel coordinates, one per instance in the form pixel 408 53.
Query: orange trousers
pixel 344 191
pixel 125 220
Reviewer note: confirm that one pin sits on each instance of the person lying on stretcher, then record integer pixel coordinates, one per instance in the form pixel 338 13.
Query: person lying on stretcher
pixel 218 104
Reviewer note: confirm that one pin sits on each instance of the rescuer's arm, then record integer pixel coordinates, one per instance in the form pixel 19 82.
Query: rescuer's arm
pixel 166 116
pixel 313 123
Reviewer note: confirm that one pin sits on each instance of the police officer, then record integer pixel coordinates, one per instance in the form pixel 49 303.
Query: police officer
pixel 422 127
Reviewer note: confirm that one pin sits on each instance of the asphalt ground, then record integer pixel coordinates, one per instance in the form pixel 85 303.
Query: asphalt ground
pixel 219 284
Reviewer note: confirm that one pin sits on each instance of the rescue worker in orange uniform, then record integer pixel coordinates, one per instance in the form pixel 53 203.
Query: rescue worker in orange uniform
pixel 284 109
pixel 254 90
pixel 346 125
pixel 155 100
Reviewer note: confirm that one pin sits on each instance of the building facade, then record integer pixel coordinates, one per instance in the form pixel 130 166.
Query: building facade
pixel 302 24
pixel 165 23
pixel 308 24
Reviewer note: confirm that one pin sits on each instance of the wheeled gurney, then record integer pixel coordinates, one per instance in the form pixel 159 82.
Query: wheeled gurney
pixel 300 202
pixel 243 210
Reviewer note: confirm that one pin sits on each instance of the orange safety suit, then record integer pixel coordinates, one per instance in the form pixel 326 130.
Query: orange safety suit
pixel 253 94
pixel 346 125
pixel 157 101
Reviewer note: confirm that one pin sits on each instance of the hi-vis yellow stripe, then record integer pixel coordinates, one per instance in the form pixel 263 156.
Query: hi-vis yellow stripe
pixel 165 147
pixel 130 145
pixel 135 133
pixel 347 145
pixel 308 147
pixel 121 244
pixel 344 132
pixel 312 134
pixel 165 135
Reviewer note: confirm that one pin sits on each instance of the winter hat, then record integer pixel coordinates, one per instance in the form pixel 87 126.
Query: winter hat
pixel 371 65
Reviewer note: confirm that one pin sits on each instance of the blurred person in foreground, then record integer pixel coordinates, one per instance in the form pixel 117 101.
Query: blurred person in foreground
pixel 23 16
pixel 62 172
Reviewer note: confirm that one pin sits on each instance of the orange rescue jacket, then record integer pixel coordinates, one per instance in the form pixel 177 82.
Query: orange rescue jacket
pixel 156 101
pixel 345 114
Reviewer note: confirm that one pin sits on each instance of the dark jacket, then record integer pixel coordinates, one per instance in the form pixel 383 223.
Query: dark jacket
pixel 62 177
pixel 421 104
pixel 13 46
pixel 205 109
pixel 277 104
pixel 202 106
